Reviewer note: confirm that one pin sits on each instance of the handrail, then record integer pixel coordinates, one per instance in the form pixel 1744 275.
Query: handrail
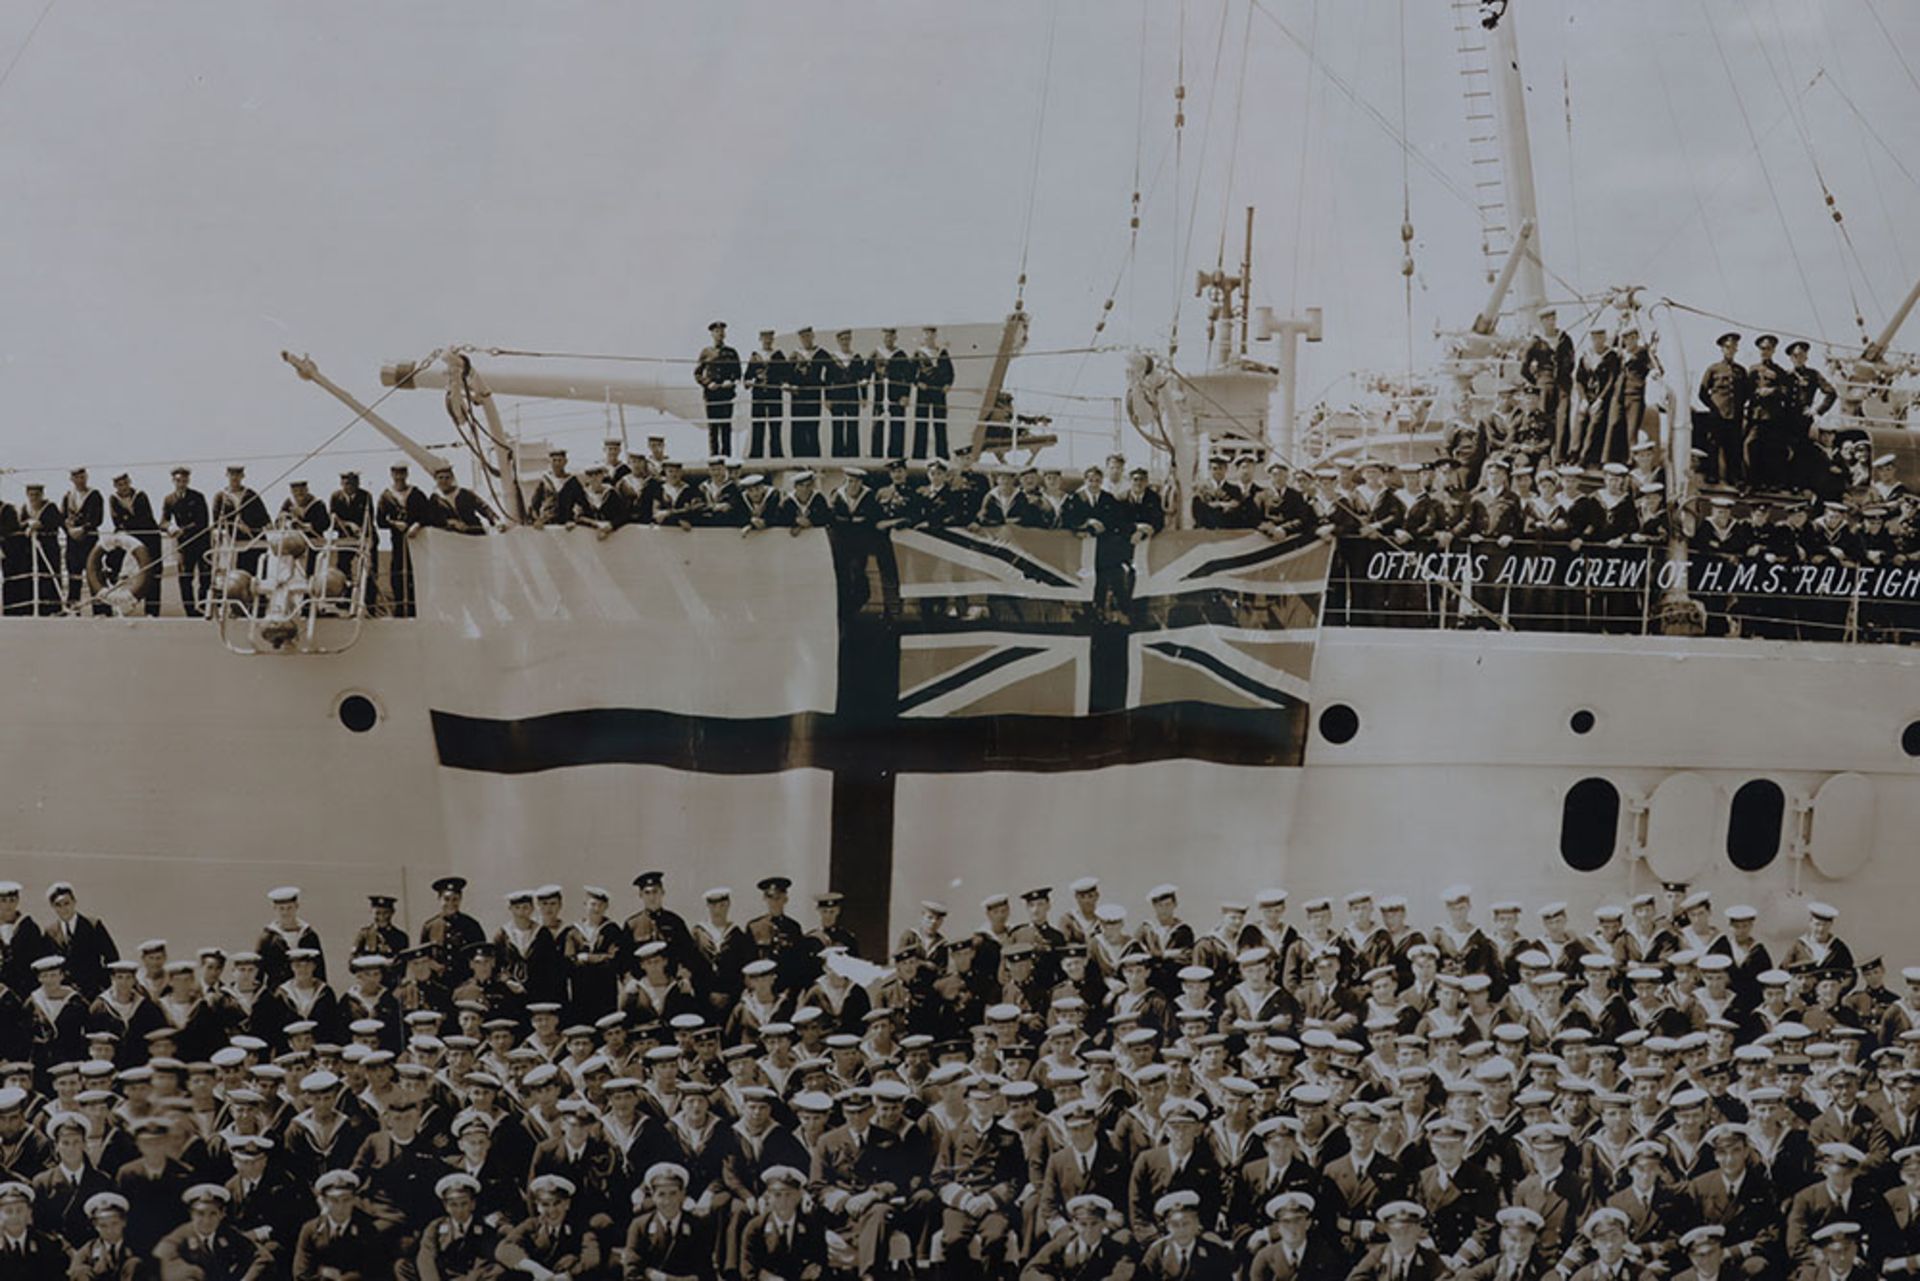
pixel 282 606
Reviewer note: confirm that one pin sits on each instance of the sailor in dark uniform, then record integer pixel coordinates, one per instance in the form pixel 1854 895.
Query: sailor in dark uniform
pixel 847 372
pixel 28 1253
pixel 282 934
pixel 84 940
pixel 450 931
pixel 776 936
pixel 892 370
pixel 82 511
pixel 184 514
pixel 402 509
pixel 1773 419
pixel 997 506
pixel 1814 395
pixel 133 515
pixel 829 932
pixel 343 1240
pixel 455 507
pixel 807 375
pixel 351 510
pixel 1092 512
pixel 655 920
pixel 857 515
pixel 899 501
pixel 806 507
pixel 381 937
pixel 1598 376
pixel 766 377
pixel 33 559
pixel 555 493
pixel 1725 388
pixel 304 512
pixel 932 376
pixel 1548 365
pixel 718 371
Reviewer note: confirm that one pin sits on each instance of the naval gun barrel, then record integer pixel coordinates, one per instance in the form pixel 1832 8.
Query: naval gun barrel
pixel 1490 314
pixel 682 401
pixel 1877 349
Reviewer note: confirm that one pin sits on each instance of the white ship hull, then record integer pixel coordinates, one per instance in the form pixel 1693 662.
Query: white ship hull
pixel 175 782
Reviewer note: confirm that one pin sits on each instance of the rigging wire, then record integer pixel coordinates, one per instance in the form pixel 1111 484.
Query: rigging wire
pixel 1573 191
pixel 1833 70
pixel 1306 137
pixel 1844 237
pixel 1179 158
pixel 1693 187
pixel 1184 261
pixel 1773 194
pixel 21 51
pixel 1033 176
pixel 1139 144
pixel 1419 157
pixel 1892 44
pixel 1233 147
pixel 1406 198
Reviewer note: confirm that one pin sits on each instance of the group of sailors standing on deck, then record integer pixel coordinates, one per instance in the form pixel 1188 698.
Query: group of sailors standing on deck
pixel 1050 1095
pixel 1757 428
pixel 53 559
pixel 790 392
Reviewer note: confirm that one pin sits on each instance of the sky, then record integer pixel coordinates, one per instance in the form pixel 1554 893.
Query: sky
pixel 188 189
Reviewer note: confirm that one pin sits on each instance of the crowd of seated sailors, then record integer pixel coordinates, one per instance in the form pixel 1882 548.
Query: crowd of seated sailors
pixel 1046 1094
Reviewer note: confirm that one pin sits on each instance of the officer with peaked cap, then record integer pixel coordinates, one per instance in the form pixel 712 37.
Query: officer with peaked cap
pixel 777 937
pixel 207 1243
pixel 669 1238
pixel 460 1241
pixel 26 1252
pixel 450 931
pixel 343 1237
pixel 1721 420
pixel 380 937
pixel 717 371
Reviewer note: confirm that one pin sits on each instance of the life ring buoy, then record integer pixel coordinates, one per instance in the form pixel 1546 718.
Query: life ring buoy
pixel 135 567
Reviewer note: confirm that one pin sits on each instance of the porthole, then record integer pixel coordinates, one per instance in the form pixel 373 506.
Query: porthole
pixel 1581 722
pixel 358 713
pixel 1910 739
pixel 1589 824
pixel 1339 723
pixel 1753 824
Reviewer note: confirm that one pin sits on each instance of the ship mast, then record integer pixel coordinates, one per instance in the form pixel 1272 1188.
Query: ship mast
pixel 1502 151
pixel 1510 105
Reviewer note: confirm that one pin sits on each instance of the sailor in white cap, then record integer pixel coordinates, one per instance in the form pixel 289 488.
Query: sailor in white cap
pixel 1885 479
pixel 669 1239
pixel 1085 1245
pixel 285 932
pixel 1271 929
pixel 1082 923
pixel 107 1254
pixel 1183 1251
pixel 1409 1250
pixel 1819 948
pixel 459 1241
pixel 1839 1244
pixel 205 1244
pixel 343 1237
pixel 784 1239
